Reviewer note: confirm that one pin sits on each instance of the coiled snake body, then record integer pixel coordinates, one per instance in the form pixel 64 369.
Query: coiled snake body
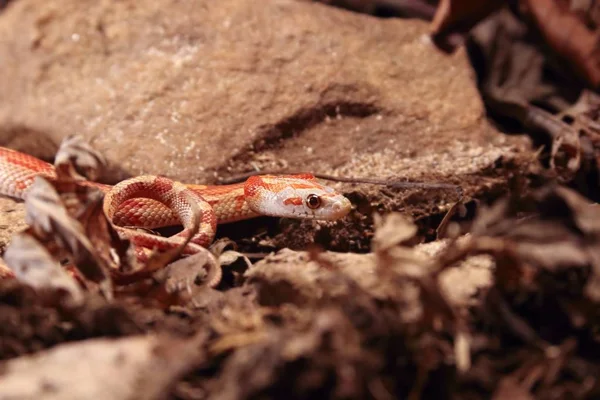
pixel 152 201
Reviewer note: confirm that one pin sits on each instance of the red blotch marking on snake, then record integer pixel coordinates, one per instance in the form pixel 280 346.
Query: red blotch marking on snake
pixel 23 184
pixel 163 184
pixel 297 201
pixel 239 202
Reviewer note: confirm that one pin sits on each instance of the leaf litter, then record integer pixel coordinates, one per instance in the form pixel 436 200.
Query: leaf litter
pixel 305 324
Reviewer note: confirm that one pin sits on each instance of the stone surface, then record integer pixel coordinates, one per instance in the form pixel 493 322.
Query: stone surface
pixel 189 88
pixel 12 220
pixel 294 277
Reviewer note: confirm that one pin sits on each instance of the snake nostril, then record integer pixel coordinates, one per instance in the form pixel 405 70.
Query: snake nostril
pixel 341 207
pixel 337 206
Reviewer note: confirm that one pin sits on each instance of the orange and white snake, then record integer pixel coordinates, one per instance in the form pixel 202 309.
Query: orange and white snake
pixel 153 201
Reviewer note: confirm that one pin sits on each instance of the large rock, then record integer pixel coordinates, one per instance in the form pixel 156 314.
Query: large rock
pixel 190 88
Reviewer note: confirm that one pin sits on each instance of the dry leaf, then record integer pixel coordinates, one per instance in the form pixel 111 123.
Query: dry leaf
pixel 50 221
pixel 200 269
pixel 458 17
pixel 33 265
pixel 77 160
pixel 579 47
pixel 391 230
pixel 508 388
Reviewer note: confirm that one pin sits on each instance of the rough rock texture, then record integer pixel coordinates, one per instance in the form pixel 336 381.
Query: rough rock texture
pixel 13 220
pixel 12 217
pixel 191 88
pixel 99 369
pixel 274 279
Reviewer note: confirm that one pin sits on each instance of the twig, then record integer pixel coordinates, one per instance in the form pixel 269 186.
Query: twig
pixel 370 181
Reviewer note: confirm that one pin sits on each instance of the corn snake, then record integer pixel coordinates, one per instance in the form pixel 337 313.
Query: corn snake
pixel 151 202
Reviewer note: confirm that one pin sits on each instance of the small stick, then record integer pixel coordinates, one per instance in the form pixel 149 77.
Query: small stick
pixel 371 181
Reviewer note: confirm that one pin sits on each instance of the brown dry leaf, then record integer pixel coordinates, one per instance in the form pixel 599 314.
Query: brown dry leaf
pixel 190 274
pixel 391 230
pixel 579 47
pixel 584 213
pixel 458 17
pixel 77 160
pixel 508 388
pixel 230 257
pixel 117 253
pixel 141 367
pixel 226 251
pixel 33 265
pixel 321 353
pixel 562 207
pixel 50 221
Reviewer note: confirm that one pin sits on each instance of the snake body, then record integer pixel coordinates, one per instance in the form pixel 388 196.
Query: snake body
pixel 151 201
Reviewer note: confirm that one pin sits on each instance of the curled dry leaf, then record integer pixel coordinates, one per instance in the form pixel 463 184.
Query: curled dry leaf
pixel 433 309
pixel 84 202
pixel 32 264
pixel 458 17
pixel 509 388
pixel 77 160
pixel 554 18
pixel 50 221
pixel 230 258
pixel 391 230
pixel 219 246
pixel 118 254
pixel 184 275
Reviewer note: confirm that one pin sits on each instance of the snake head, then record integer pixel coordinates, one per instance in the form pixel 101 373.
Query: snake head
pixel 294 196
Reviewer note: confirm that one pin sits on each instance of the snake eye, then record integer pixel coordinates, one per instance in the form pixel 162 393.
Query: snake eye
pixel 313 201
